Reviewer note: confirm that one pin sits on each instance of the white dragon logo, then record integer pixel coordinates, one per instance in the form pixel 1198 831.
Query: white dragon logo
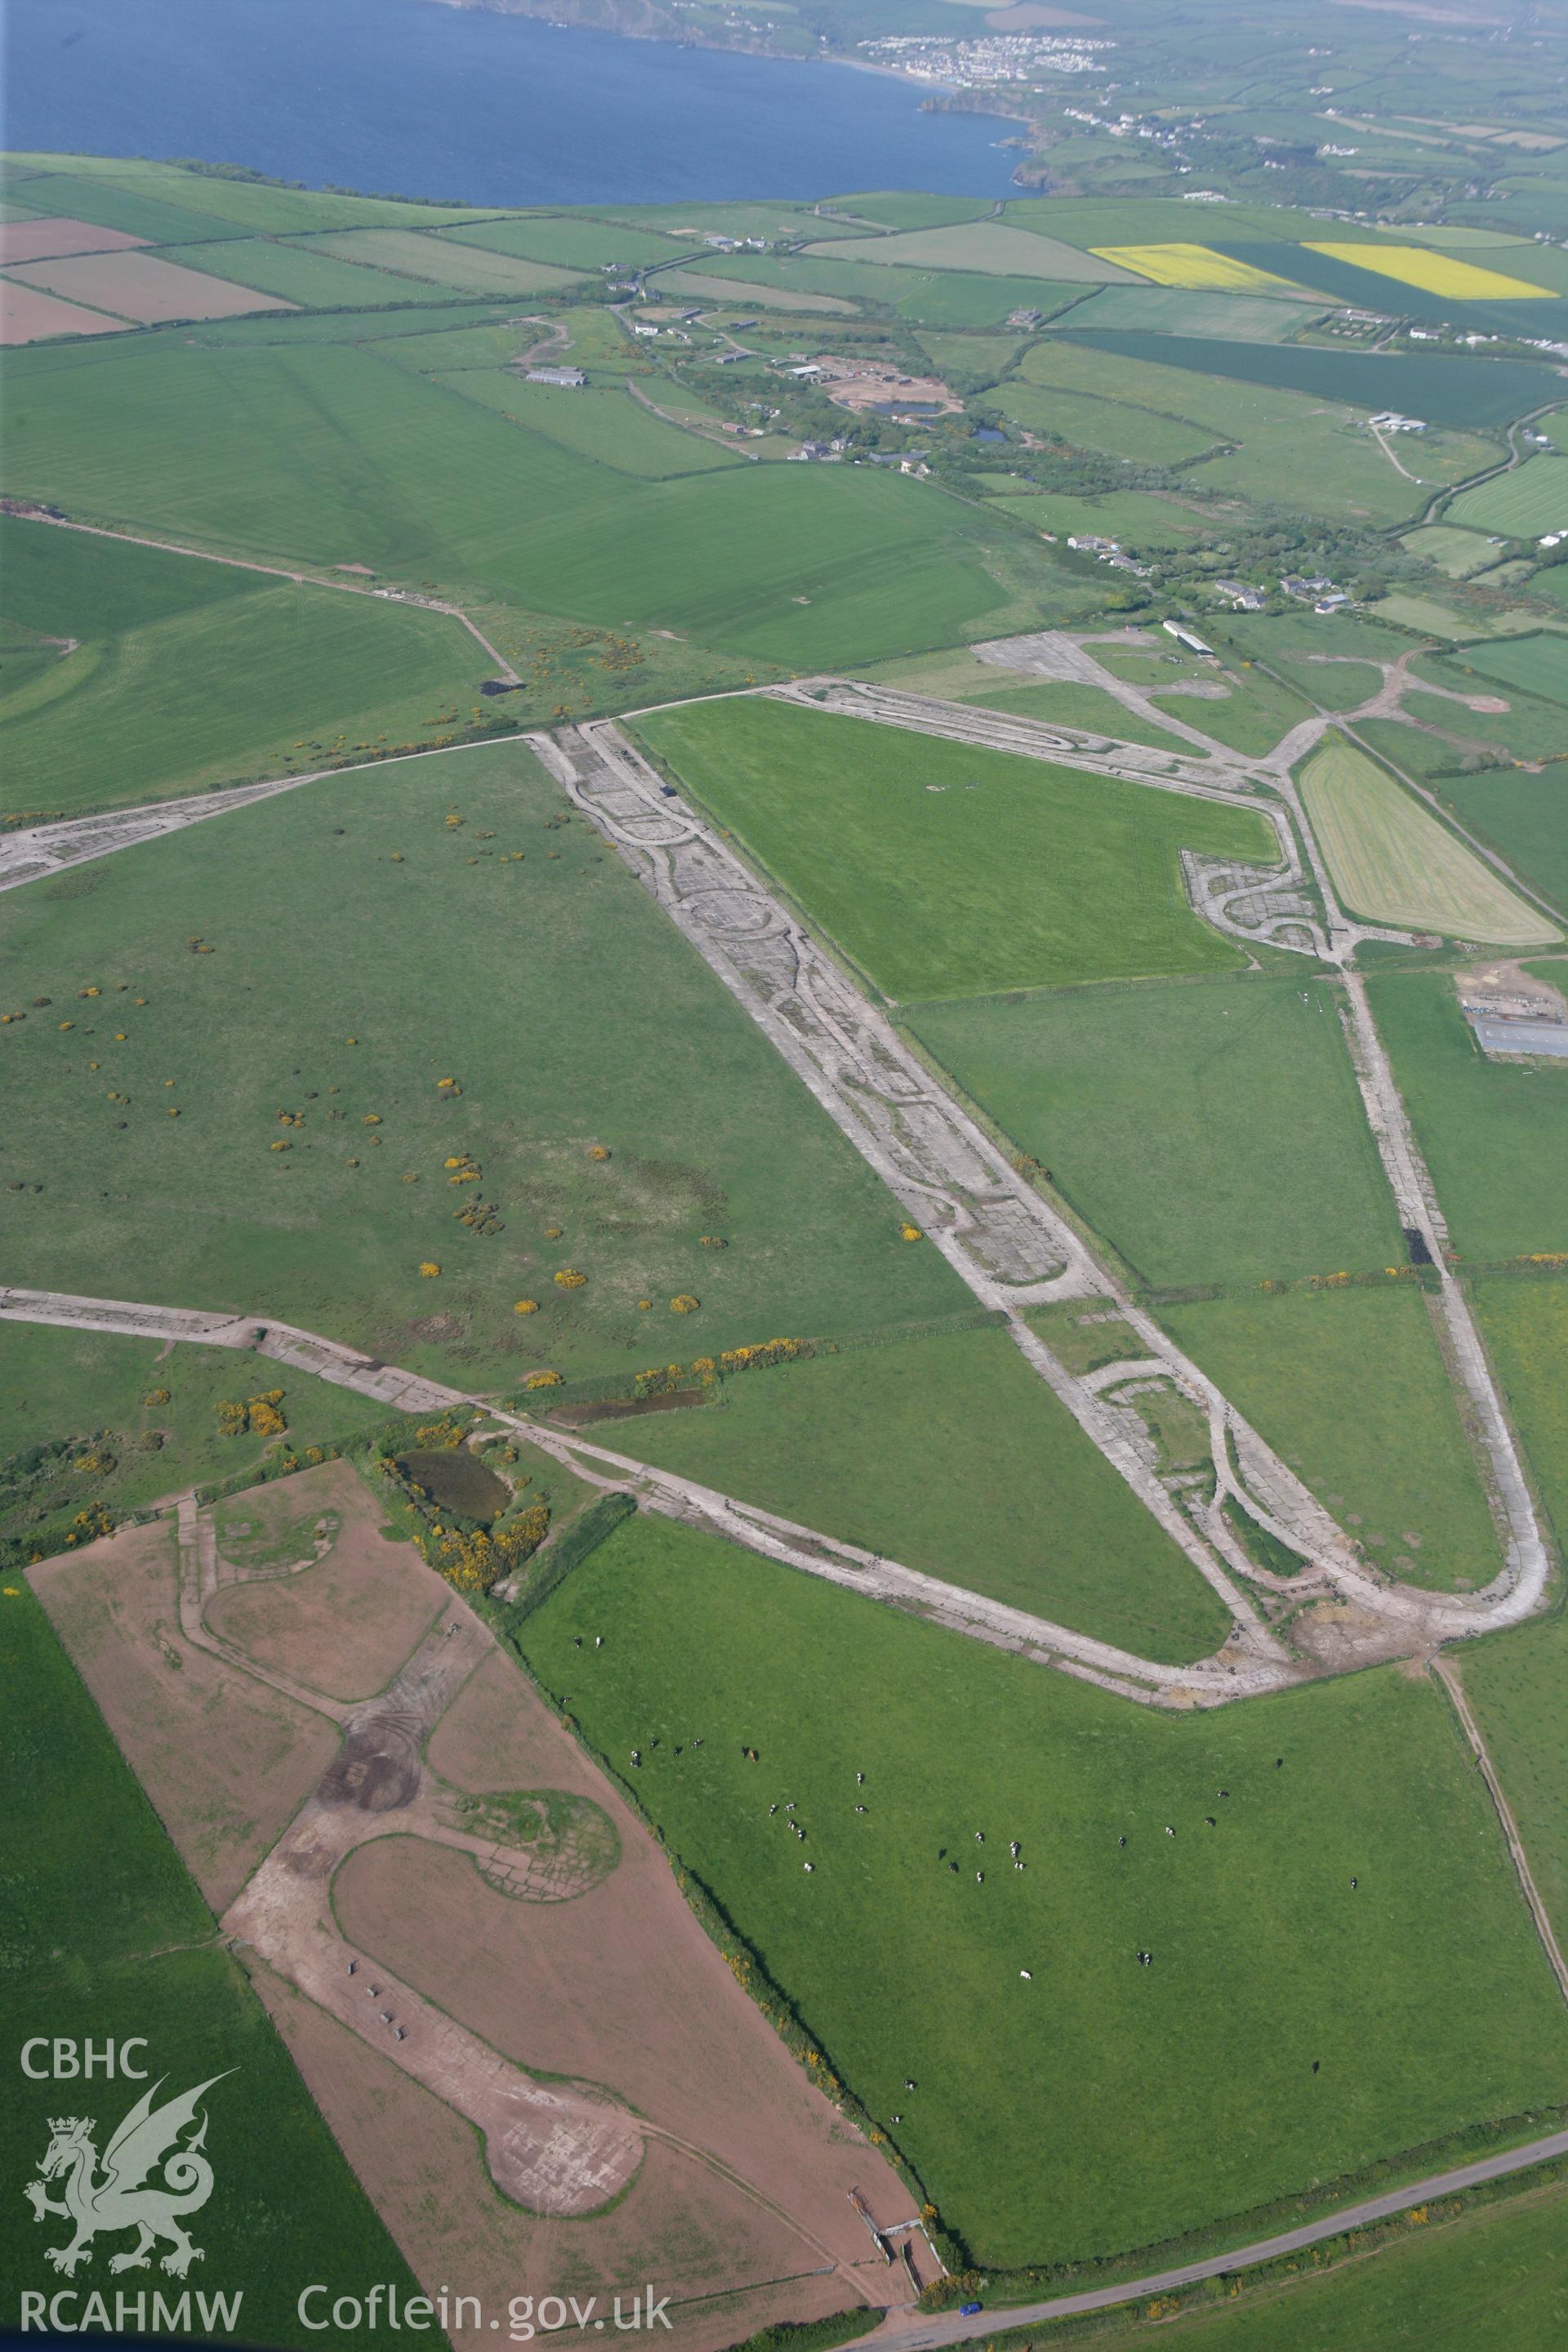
pixel 118 2199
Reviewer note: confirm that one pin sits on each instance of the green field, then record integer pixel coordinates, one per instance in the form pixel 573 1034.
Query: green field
pixel 1044 874
pixel 1392 862
pixel 239 206
pixel 1521 816
pixel 1522 505
pixel 943 297
pixel 1456 552
pixel 733 280
pixel 1137 519
pixel 189 674
pixel 300 275
pixel 1525 1326
pixel 1493 1133
pixel 58 1385
pixel 554 992
pixel 321 453
pixel 416 255
pixel 1158 220
pixel 90 1874
pixel 1339 685
pixel 951 1456
pixel 1539 664
pixel 1294 448
pixel 1496 2280
pixel 972 358
pixel 1350 1387
pixel 1101 2106
pixel 1515 1683
pixel 1257 713
pixel 1460 396
pixel 608 426
pixel 1188 310
pixel 1210 1130
pixel 570 242
pixel 424 311
pixel 989 246
pixel 1095 421
pixel 1529 729
pixel 109 204
pixel 900 211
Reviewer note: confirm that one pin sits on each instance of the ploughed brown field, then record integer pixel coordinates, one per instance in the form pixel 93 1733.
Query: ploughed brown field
pixel 361 1774
pixel 683 2228
pixel 28 315
pixel 345 1621
pixel 226 1760
pixel 143 286
pixel 38 240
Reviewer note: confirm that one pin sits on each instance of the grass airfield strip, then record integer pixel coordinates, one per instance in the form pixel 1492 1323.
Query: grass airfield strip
pixel 1103 2106
pixel 944 869
pixel 1135 1097
pixel 93 1873
pixel 515 924
pixel 1392 862
pixel 188 674
pixel 951 1455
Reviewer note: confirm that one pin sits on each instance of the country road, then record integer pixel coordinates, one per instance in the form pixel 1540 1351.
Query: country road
pixel 901 2334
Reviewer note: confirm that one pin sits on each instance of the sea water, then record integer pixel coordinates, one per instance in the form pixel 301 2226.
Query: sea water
pixel 410 97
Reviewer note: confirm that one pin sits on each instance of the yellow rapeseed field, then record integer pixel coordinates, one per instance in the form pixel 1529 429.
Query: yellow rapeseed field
pixel 1393 863
pixel 1195 265
pixel 1436 273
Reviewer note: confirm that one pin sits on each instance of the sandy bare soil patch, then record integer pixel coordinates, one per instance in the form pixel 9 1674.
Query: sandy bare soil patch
pixel 224 1761
pixel 40 240
pixel 622 1986
pixel 342 1624
pixel 871 383
pixel 681 2227
pixel 143 286
pixel 28 315
pixel 1505 986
